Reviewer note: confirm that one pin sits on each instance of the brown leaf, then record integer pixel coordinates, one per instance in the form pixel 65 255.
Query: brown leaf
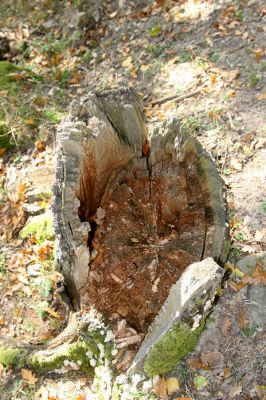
pixel 133 72
pixel 261 96
pixel 241 319
pixel 257 278
pixel 161 388
pixel 172 385
pixel 2 150
pixel 28 376
pixel 226 325
pixel 212 358
pixel 258 55
pixel 199 364
pixel 182 398
pixel 227 372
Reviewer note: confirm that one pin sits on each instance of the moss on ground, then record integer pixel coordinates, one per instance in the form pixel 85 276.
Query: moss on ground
pixel 171 348
pixel 39 226
pixel 14 357
pixel 7 81
pixel 43 362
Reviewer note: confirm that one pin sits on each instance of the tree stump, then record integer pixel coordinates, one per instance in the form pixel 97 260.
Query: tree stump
pixel 132 211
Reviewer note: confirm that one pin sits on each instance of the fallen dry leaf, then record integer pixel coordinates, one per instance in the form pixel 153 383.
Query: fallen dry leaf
pixel 127 63
pixel 52 313
pixel 212 358
pixel 261 96
pixel 28 376
pixel 227 372
pixel 258 54
pixel 257 278
pixel 2 150
pixel 81 397
pixel 213 79
pixel 133 72
pixel 161 388
pixel 241 319
pixel 196 363
pixel 226 325
pixel 172 385
pixel 182 398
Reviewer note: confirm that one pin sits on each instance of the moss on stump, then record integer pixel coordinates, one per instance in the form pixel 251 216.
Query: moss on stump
pixel 171 348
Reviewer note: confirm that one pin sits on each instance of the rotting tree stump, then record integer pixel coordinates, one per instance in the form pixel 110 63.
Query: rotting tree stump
pixel 132 211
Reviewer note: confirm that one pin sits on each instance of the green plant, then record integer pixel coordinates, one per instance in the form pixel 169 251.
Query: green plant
pixel 21 390
pixel 185 57
pixel 240 237
pixel 202 63
pixel 253 78
pixel 3 267
pixel 263 206
pixel 249 331
pixel 239 15
pixel 53 116
pixel 155 30
pixel 200 382
pixel 214 57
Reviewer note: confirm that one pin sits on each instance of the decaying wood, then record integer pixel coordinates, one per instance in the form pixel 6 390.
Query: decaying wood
pixel 68 335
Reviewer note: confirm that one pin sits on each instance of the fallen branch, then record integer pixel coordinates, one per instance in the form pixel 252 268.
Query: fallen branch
pixel 175 97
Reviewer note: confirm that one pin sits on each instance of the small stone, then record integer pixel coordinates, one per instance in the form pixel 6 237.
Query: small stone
pixel 92 362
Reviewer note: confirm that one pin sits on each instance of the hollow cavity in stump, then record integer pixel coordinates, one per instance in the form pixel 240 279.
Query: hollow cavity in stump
pixel 147 230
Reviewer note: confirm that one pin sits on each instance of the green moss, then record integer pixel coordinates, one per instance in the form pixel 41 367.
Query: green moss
pixel 5 136
pixel 42 362
pixel 15 357
pixel 171 348
pixel 7 82
pixel 40 226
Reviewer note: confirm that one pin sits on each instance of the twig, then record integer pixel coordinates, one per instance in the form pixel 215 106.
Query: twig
pixel 127 341
pixel 175 97
pixel 225 157
pixel 230 121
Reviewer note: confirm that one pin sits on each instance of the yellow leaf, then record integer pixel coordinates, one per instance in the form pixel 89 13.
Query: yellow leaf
pixel 144 68
pixel 28 376
pixel 234 270
pixel 44 204
pixel 127 63
pixel 213 79
pixel 81 397
pixel 29 122
pixel 52 313
pixel 172 385
pixel 21 190
pixel 182 398
pixel 2 150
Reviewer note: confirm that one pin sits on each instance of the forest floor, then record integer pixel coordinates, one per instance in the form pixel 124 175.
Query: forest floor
pixel 211 53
